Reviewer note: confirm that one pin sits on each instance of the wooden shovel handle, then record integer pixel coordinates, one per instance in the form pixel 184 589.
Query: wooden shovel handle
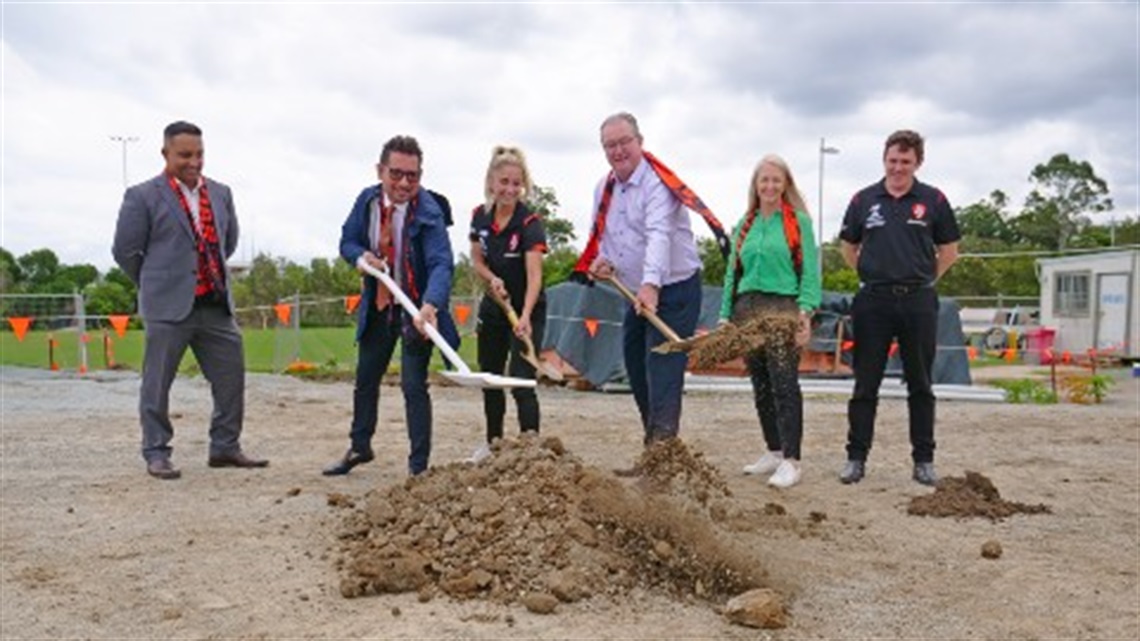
pixel 513 318
pixel 668 332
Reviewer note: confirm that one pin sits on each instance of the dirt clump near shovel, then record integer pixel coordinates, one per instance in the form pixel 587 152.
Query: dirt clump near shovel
pixel 534 520
pixel 735 340
pixel 971 496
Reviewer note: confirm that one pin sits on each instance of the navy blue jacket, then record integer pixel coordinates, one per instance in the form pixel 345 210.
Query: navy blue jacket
pixel 426 247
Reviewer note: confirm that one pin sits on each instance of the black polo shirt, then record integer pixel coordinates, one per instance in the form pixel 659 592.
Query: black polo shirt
pixel 505 250
pixel 898 235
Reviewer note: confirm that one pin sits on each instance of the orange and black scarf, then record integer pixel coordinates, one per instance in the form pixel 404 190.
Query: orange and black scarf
pixel 210 275
pixel 680 190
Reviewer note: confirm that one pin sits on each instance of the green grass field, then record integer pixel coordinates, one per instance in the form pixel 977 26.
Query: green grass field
pixel 266 350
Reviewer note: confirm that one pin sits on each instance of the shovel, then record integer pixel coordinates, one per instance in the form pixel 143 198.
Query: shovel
pixel 665 330
pixel 463 376
pixel 530 356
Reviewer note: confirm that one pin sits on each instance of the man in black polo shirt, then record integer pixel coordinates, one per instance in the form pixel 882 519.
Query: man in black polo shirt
pixel 901 236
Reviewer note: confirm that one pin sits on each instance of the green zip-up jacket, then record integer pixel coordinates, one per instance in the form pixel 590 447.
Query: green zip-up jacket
pixel 766 263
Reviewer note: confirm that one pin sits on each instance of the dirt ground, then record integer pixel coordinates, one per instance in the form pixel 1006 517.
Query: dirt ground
pixel 91 547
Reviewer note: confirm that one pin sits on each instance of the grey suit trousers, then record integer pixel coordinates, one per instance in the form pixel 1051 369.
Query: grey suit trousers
pixel 213 335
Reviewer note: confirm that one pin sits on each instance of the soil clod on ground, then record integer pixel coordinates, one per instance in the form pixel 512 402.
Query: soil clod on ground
pixel 533 524
pixel 973 495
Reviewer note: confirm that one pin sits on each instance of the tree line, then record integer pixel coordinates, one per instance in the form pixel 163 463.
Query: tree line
pixel 1000 244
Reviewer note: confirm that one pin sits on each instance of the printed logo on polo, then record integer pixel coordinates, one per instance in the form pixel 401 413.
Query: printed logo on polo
pixel 918 211
pixel 874 218
pixel 513 245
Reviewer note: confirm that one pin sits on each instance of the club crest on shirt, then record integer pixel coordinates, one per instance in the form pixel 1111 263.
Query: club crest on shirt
pixel 513 244
pixel 874 218
pixel 918 211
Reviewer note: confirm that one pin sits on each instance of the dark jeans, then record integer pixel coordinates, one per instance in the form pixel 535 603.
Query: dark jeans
pixel 375 352
pixel 880 315
pixel 774 369
pixel 658 380
pixel 496 341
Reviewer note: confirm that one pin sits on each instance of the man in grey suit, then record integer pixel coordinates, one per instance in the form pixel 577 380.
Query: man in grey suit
pixel 173 236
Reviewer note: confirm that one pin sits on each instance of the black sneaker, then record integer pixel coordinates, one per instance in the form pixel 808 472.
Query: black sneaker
pixel 924 473
pixel 852 472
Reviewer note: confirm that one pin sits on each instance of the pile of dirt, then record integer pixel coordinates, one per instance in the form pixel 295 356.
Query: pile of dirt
pixel 972 495
pixel 736 340
pixel 533 524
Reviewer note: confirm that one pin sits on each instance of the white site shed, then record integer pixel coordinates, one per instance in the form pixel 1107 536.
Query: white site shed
pixel 1093 301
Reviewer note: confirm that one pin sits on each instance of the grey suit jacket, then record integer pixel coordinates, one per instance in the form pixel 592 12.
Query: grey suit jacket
pixel 154 245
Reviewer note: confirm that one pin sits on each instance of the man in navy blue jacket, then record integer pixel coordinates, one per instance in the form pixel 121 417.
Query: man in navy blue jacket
pixel 400 226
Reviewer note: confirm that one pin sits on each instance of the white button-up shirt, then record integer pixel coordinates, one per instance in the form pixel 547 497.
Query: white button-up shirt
pixel 648 236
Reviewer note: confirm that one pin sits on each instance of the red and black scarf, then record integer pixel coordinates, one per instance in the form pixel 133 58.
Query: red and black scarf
pixel 680 190
pixel 211 277
pixel 791 234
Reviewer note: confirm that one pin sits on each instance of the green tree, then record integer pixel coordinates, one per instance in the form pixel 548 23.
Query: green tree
pixel 10 274
pixel 712 262
pixel 107 297
pixel 986 218
pixel 39 268
pixel 1066 191
pixel 559 231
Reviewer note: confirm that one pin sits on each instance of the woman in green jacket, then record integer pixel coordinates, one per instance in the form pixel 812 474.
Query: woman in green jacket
pixel 773 271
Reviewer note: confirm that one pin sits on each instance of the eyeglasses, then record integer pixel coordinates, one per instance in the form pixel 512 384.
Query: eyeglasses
pixel 620 142
pixel 399 174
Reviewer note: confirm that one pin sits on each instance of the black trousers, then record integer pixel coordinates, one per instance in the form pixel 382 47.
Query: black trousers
pixel 881 314
pixel 774 370
pixel 495 342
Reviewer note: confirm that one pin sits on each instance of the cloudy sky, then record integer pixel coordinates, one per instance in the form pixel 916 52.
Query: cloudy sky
pixel 296 100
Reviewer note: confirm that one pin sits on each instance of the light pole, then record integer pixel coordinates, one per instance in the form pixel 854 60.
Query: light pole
pixel 124 141
pixel 823 151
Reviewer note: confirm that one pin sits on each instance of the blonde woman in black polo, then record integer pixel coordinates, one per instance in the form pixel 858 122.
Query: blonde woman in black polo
pixel 507 246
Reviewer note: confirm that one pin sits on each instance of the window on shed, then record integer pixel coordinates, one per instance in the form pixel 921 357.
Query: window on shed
pixel 1071 296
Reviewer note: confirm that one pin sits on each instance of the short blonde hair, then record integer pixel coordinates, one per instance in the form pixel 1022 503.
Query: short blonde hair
pixel 791 192
pixel 502 156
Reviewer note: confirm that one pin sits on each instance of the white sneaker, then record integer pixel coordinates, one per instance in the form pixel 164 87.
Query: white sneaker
pixel 787 475
pixel 481 454
pixel 765 464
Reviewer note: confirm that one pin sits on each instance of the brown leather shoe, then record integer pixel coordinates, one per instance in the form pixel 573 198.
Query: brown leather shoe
pixel 237 460
pixel 163 469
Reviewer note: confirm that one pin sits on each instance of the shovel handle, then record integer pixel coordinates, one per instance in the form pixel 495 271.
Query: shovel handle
pixel 667 331
pixel 433 333
pixel 513 318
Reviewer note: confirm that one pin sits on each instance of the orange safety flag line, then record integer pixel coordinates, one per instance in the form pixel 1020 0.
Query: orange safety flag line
pixel 283 311
pixel 119 322
pixel 848 345
pixel 461 313
pixel 20 325
pixel 351 302
pixel 1010 354
pixel 972 353
pixel 591 326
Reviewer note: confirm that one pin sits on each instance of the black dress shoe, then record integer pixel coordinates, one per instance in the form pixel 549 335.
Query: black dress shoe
pixel 163 469
pixel 236 460
pixel 343 466
pixel 852 472
pixel 924 473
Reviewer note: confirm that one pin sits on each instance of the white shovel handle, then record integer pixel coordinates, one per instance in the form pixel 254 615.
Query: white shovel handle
pixel 405 302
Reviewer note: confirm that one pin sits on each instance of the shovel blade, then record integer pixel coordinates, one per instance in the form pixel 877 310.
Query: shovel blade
pixel 485 380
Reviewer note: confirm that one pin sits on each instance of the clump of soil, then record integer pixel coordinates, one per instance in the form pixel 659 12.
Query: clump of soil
pixel 533 522
pixel 972 495
pixel 774 330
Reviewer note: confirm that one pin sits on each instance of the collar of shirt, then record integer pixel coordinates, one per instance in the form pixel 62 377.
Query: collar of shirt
pixel 637 177
pixel 881 189
pixel 192 199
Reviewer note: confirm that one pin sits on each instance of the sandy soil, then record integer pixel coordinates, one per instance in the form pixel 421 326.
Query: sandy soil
pixel 92 547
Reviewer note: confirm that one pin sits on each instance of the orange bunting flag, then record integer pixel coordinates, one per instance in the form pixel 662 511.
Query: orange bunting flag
pixel 591 326
pixel 119 322
pixel 1066 357
pixel 972 353
pixel 283 311
pixel 1010 355
pixel 461 313
pixel 20 325
pixel 848 345
pixel 351 302
pixel 894 349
